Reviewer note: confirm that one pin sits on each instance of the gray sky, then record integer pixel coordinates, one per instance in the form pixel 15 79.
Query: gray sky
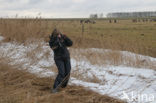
pixel 71 8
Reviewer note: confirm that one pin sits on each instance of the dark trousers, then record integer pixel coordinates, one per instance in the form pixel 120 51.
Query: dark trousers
pixel 64 67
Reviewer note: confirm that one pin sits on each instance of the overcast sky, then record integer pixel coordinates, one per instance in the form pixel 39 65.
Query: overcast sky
pixel 71 8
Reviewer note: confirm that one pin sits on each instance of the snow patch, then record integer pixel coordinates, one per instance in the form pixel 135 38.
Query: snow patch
pixel 113 79
pixel 1 38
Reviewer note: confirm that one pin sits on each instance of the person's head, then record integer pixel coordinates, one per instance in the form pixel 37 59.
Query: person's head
pixel 56 32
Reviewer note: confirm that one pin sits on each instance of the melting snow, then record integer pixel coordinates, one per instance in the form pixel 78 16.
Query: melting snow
pixel 114 79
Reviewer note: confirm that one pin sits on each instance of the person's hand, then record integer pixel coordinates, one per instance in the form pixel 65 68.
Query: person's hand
pixel 64 36
pixel 59 35
pixel 54 47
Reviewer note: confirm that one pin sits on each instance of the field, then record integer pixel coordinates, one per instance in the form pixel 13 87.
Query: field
pixel 106 59
pixel 125 35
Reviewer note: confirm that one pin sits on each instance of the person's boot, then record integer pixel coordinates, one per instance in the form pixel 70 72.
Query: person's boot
pixel 54 91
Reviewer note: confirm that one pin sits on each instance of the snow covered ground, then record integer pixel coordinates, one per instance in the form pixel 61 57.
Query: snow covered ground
pixel 137 85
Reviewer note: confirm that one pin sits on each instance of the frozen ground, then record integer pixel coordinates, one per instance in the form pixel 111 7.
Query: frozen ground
pixel 116 81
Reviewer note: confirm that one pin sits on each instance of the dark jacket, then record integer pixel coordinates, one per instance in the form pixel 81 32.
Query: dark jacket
pixel 59 46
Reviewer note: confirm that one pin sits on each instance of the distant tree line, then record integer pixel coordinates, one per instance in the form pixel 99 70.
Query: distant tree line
pixel 131 14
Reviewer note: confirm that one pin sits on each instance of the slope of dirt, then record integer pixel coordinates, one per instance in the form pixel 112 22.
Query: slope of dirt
pixel 18 86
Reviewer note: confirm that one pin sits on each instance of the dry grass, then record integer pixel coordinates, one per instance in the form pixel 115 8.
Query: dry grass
pixel 109 57
pixel 17 86
pixel 125 35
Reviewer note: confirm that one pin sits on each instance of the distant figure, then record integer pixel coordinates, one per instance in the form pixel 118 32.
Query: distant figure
pixel 146 20
pixel 88 21
pixel 134 20
pixel 115 21
pixel 59 43
pixel 151 20
pixel 139 20
pixel 93 22
pixel 154 20
pixel 110 21
pixel 81 21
